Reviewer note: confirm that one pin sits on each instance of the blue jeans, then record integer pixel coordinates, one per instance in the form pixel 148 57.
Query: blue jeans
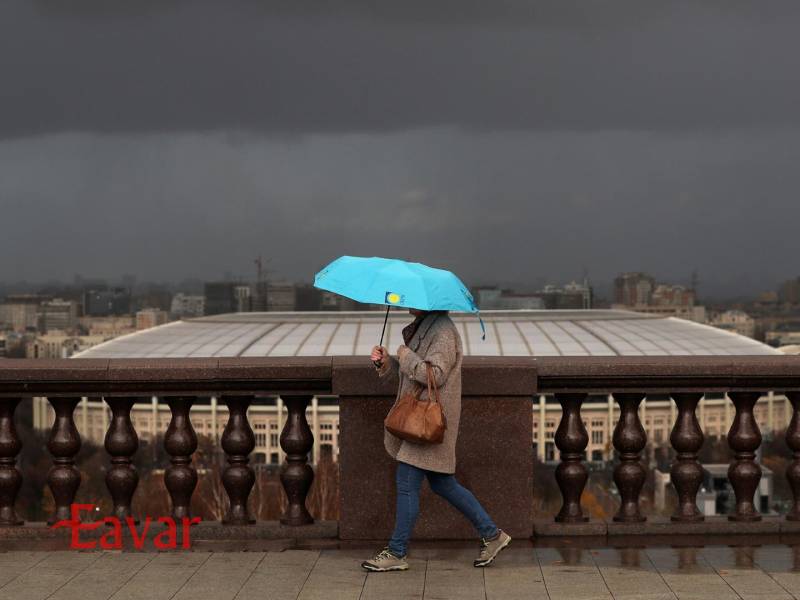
pixel 409 482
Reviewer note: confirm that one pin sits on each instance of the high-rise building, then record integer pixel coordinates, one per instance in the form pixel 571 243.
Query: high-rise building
pixel 633 288
pixel 57 315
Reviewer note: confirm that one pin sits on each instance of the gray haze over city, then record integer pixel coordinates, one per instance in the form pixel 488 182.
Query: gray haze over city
pixel 512 142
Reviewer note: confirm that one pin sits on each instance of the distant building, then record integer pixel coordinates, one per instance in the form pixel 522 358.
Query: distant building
pixel 186 306
pixel 639 292
pixel 150 317
pixel 493 298
pixel 57 314
pixel 19 312
pixel 3 346
pixel 329 301
pixel 672 295
pixel 632 289
pixel 244 298
pixel 152 296
pixel 573 296
pixel 109 327
pixel 60 345
pixel 281 297
pixel 790 291
pixel 220 297
pixel 307 297
pixel 18 317
pixel 104 302
pixel 767 298
pixel 782 338
pixel 737 321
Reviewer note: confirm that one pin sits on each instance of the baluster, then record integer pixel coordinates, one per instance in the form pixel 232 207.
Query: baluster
pixel 121 443
pixel 793 441
pixel 744 438
pixel 571 474
pixel 686 472
pixel 10 477
pixel 238 442
pixel 297 475
pixel 629 441
pixel 64 443
pixel 180 442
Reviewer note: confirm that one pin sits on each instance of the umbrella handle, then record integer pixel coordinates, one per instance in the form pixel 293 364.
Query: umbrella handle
pixel 386 318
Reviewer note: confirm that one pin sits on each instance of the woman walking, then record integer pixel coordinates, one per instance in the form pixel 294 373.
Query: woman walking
pixel 433 339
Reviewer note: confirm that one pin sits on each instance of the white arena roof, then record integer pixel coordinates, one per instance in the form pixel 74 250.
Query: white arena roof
pixel 508 333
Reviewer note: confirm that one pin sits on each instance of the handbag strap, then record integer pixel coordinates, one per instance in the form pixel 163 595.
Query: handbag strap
pixel 433 391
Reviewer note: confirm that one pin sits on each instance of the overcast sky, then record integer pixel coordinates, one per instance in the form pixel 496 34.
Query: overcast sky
pixel 513 142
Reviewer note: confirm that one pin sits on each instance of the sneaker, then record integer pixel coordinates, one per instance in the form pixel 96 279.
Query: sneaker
pixel 385 561
pixel 491 548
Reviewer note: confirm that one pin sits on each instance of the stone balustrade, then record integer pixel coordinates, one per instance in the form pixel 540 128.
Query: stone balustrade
pixel 495 452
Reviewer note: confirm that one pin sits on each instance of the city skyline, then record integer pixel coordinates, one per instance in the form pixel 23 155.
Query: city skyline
pixel 603 289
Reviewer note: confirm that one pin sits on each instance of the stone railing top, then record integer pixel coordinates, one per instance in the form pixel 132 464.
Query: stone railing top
pixel 347 375
pixel 667 373
pixel 165 376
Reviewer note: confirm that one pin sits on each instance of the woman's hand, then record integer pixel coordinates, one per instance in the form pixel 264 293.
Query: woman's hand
pixel 379 355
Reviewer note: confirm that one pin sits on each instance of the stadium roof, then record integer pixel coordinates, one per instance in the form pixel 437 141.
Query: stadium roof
pixel 508 333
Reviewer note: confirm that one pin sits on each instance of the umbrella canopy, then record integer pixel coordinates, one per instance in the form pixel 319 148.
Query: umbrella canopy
pixel 394 282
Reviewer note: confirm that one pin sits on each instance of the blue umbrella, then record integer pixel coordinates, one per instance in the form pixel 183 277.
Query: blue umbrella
pixel 396 282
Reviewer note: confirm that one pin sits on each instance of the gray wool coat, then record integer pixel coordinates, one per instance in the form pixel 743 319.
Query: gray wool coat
pixel 436 341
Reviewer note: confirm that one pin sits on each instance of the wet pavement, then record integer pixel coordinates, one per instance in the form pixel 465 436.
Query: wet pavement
pixel 438 570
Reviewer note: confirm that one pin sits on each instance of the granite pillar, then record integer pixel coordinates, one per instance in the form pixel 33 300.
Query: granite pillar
pixel 494 451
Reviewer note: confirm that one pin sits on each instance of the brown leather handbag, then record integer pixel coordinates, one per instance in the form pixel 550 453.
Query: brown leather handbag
pixel 415 420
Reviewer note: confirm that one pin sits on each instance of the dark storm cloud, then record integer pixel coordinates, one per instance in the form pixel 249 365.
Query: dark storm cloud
pixel 312 67
pixel 511 141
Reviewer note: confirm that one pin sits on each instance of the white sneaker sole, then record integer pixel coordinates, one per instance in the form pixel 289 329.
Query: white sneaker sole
pixel 489 560
pixel 374 569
